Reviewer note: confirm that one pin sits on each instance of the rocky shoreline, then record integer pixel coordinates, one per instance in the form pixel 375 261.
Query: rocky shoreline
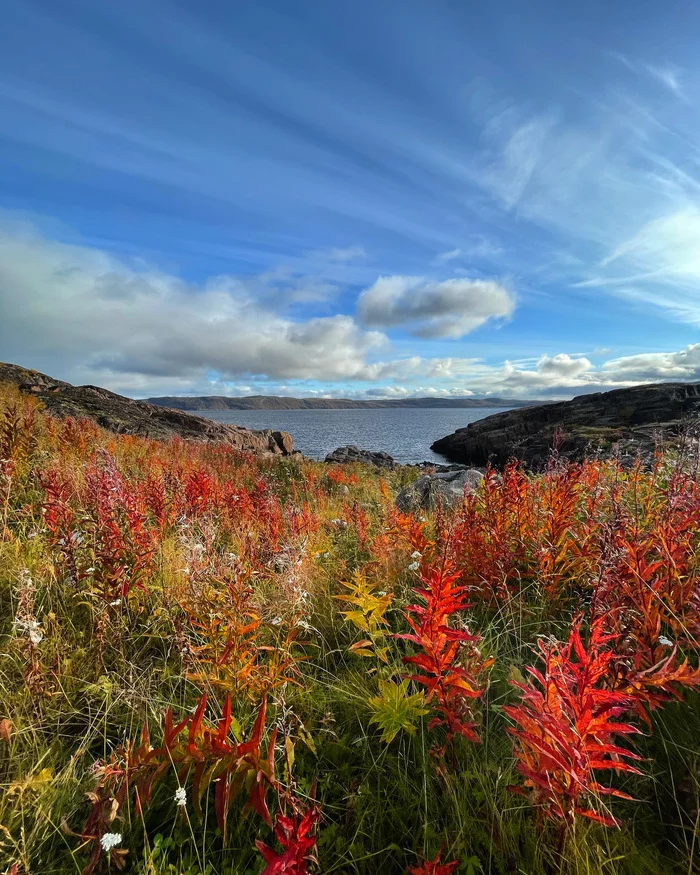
pixel 126 416
pixel 628 421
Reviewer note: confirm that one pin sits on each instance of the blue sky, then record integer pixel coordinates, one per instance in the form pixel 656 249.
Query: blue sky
pixel 369 198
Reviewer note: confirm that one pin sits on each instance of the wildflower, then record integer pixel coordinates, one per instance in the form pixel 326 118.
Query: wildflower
pixel 416 554
pixel 115 603
pixel 33 629
pixel 181 797
pixel 36 636
pixel 110 840
pixel 414 566
pixel 666 642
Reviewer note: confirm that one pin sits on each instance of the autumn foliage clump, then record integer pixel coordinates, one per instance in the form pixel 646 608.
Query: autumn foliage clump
pixel 216 663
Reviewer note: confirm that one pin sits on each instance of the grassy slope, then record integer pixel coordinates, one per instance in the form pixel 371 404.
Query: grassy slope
pixel 207 527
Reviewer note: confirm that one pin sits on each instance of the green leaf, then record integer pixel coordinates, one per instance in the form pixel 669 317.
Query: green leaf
pixel 395 710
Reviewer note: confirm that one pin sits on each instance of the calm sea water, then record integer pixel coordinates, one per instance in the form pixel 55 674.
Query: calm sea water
pixel 405 433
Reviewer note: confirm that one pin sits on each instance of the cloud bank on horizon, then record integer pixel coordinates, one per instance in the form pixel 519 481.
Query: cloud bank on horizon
pixel 352 199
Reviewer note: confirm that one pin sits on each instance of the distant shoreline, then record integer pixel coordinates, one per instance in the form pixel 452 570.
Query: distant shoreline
pixel 276 402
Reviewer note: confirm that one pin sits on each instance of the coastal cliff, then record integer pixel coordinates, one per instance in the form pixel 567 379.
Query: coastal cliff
pixel 632 419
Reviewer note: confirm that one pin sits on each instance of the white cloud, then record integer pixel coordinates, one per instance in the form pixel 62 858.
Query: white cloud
pixel 683 366
pixel 63 305
pixel 339 254
pixel 525 146
pixel 449 256
pixel 667 75
pixel 447 309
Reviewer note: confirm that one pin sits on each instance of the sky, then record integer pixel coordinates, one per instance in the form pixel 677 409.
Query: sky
pixel 361 198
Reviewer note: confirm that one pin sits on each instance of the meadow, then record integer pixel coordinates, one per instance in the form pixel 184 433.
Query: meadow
pixel 215 663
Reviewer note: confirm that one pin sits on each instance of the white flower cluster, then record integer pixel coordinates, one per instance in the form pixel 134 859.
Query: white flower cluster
pixel 110 840
pixel 416 554
pixel 414 566
pixel 181 797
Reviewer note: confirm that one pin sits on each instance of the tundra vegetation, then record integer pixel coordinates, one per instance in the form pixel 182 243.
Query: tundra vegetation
pixel 217 663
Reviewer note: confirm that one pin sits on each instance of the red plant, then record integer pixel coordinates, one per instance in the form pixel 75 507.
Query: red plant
pixel 294 832
pixel 434 867
pixel 208 754
pixel 444 650
pixel 121 543
pixel 568 726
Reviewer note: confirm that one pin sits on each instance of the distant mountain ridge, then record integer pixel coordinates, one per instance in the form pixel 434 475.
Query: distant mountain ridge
pixel 280 402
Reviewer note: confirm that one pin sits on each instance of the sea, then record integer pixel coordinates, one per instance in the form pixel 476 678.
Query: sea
pixel 406 433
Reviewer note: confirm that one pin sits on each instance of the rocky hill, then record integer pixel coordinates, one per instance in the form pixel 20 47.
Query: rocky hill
pixel 126 416
pixel 631 419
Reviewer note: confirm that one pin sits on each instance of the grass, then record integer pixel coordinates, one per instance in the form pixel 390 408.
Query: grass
pixel 136 576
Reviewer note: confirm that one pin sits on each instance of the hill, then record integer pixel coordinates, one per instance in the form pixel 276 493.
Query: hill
pixel 632 418
pixel 126 416
pixel 280 402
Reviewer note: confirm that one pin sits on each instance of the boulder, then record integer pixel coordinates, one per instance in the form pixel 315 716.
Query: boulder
pixel 628 420
pixel 349 454
pixel 447 489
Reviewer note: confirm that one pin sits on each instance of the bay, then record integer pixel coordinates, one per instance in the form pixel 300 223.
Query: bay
pixel 406 433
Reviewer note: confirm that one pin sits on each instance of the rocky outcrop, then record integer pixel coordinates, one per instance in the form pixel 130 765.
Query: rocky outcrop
pixel 126 416
pixel 447 489
pixel 349 454
pixel 630 420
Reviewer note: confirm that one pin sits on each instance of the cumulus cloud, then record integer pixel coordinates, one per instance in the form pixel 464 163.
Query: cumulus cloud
pixel 65 304
pixel 447 309
pixel 683 366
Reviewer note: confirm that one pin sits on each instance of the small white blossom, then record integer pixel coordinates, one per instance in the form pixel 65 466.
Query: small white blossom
pixel 181 796
pixel 33 629
pixel 276 621
pixel 414 566
pixel 666 642
pixel 115 603
pixel 416 554
pixel 109 840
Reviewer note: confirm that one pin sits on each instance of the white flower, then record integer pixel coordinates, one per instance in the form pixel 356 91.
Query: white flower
pixel 115 603
pixel 416 554
pixel 109 840
pixel 414 566
pixel 181 796
pixel 665 641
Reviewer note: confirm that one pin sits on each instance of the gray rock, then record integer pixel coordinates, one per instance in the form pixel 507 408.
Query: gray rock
pixel 446 489
pixel 349 454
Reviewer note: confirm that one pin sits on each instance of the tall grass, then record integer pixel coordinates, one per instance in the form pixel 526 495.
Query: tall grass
pixel 233 665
